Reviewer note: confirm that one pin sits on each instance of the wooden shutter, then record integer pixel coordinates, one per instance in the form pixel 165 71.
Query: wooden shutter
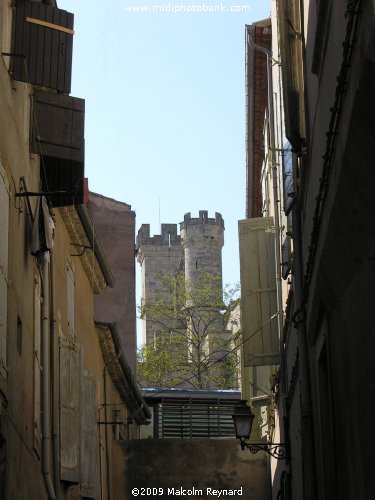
pixel 89 436
pixel 70 299
pixel 43 45
pixel 37 365
pixel 70 371
pixel 60 125
pixel 291 51
pixel 258 292
pixel 58 135
pixel 4 238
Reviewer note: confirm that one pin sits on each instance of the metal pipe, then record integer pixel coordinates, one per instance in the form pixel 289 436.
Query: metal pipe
pixel 46 430
pixel 54 391
pixel 109 489
pixel 276 201
pixel 249 74
pixel 100 460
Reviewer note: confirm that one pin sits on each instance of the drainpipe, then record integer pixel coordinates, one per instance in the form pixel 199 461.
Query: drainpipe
pixel 307 432
pixel 54 392
pixel 276 202
pixel 46 430
pixel 109 489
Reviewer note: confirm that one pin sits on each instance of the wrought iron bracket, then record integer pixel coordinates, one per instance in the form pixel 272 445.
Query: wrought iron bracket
pixel 275 450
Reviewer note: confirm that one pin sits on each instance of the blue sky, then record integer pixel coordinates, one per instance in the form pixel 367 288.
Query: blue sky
pixel 165 109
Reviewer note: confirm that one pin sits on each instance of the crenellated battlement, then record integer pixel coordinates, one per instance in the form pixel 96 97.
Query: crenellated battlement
pixel 202 219
pixel 168 236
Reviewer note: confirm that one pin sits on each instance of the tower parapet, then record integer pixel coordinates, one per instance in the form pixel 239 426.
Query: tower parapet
pixel 167 237
pixel 202 219
pixel 202 239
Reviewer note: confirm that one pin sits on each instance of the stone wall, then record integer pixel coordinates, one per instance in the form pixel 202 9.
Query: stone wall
pixel 169 464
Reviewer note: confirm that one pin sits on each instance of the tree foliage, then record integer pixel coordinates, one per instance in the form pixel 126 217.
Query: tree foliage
pixel 191 345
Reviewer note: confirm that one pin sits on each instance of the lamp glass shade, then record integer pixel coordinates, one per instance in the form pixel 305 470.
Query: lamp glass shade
pixel 243 420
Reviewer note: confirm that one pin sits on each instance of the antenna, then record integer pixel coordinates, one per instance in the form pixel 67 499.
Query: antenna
pixel 159 214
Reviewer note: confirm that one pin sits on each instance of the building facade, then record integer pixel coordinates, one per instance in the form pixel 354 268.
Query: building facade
pixel 63 375
pixel 318 136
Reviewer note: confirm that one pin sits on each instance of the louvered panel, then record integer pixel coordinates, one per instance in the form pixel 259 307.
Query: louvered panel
pixel 89 440
pixel 69 410
pixel 43 45
pixel 4 232
pixel 187 418
pixel 258 292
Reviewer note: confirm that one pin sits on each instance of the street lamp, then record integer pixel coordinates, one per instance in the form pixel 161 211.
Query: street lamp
pixel 243 419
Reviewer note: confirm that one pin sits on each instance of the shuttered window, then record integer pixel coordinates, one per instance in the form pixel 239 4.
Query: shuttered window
pixel 4 236
pixel 37 365
pixel 258 292
pixel 89 436
pixel 70 371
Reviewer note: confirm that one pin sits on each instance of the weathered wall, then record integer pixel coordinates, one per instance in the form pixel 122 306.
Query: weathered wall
pixel 171 463
pixel 115 224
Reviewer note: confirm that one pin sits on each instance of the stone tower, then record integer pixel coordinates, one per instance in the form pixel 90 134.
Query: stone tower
pixel 159 255
pixel 196 249
pixel 202 239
